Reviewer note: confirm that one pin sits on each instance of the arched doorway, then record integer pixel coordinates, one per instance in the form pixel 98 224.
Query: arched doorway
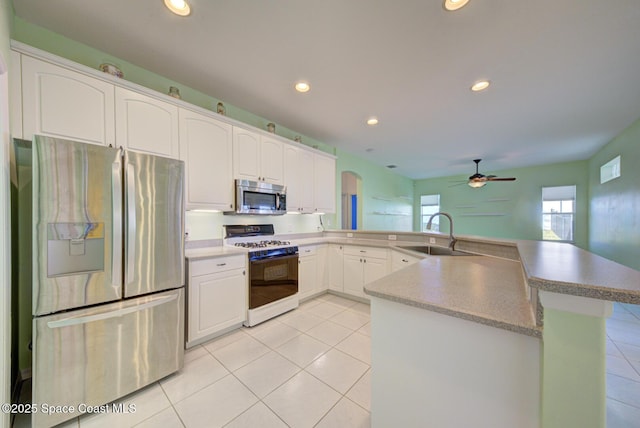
pixel 351 200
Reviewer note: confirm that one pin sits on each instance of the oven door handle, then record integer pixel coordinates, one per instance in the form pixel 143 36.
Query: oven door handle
pixel 271 259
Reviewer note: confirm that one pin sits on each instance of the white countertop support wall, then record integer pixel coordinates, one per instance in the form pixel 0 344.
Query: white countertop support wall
pixel 430 369
pixel 574 361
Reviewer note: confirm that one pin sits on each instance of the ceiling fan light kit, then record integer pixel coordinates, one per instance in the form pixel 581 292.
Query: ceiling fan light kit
pixel 478 180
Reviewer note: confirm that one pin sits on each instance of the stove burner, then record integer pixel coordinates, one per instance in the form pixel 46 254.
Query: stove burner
pixel 262 244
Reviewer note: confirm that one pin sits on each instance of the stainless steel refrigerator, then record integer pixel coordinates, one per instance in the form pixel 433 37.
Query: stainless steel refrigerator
pixel 107 272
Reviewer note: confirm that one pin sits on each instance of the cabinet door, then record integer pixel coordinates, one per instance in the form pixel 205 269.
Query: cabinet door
pixel 307 276
pixel 246 154
pixel 271 160
pixel 216 302
pixel 305 160
pixel 206 148
pixel 353 275
pixel 374 269
pixel 66 104
pixel 324 184
pixel 336 267
pixel 291 178
pixel 145 124
pixel 401 260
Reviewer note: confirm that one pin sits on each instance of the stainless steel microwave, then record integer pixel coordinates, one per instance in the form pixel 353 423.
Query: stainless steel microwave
pixel 258 197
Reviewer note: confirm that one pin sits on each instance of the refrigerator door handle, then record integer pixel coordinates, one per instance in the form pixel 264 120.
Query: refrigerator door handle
pixel 66 322
pixel 131 223
pixel 116 195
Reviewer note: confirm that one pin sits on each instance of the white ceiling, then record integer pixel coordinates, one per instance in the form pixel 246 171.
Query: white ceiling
pixel 564 73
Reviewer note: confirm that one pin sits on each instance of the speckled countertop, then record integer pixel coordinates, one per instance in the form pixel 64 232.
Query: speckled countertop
pixel 566 269
pixel 491 290
pixel 486 290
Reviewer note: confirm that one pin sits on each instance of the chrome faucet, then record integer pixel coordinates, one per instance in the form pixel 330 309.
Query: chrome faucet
pixel 452 240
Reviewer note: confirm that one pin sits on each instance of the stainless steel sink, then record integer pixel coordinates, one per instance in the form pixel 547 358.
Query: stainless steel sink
pixel 436 251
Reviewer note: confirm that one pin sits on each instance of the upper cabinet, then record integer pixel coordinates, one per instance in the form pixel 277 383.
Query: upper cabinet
pixel 298 170
pixel 257 157
pixel 324 173
pixel 146 124
pixel 310 178
pixel 206 149
pixel 61 103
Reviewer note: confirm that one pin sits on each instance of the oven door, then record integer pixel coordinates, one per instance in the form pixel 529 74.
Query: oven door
pixel 272 279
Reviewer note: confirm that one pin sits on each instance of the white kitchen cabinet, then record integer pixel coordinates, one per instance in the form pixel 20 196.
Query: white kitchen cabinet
pixel 206 147
pixel 363 265
pixel 324 173
pixel 216 297
pixel 257 157
pixel 62 103
pixel 335 260
pixel 308 272
pixel 299 179
pixel 146 124
pixel 401 260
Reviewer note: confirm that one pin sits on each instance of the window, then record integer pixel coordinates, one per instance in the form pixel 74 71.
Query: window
pixel 430 204
pixel 558 213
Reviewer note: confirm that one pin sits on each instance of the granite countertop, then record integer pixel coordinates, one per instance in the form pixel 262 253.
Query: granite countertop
pixel 486 290
pixel 566 269
pixel 208 252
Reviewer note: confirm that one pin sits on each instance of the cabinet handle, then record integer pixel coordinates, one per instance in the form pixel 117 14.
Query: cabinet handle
pixel 405 260
pixel 221 264
pixel 244 272
pixel 230 205
pixel 365 260
pixel 363 251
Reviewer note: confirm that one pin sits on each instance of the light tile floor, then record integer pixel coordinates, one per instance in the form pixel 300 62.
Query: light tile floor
pixel 623 367
pixel 311 367
pixel 307 368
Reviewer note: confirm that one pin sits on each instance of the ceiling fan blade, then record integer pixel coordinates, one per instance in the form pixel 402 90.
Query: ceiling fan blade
pixel 494 178
pixel 457 184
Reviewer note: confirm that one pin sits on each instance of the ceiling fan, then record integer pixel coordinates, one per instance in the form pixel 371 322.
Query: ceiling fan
pixel 479 180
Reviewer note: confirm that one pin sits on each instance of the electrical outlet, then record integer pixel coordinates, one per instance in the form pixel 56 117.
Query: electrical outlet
pixel 349 235
pixel 392 237
pixel 432 240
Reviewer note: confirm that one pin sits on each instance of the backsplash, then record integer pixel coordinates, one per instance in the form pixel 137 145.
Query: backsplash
pixel 208 225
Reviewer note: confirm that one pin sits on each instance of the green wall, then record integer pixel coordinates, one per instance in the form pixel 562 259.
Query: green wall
pixel 386 200
pixel 510 209
pixel 614 223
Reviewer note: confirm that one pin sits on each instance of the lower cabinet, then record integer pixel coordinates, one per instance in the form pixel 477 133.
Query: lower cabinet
pixel 401 260
pixel 216 297
pixel 363 265
pixel 336 267
pixel 308 284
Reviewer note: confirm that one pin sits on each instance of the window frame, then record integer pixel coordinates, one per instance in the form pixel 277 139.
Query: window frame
pixel 559 214
pixel 435 225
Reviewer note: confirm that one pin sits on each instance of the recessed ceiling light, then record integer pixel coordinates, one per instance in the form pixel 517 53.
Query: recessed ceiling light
pixel 302 87
pixel 179 7
pixel 452 5
pixel 392 166
pixel 480 85
pixel 372 121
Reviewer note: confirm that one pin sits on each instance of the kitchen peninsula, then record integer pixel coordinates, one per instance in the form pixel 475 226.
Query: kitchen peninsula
pixel 478 354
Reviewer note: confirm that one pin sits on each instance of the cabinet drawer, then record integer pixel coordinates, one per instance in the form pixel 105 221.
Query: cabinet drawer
pixel 372 252
pixel 216 264
pixel 309 250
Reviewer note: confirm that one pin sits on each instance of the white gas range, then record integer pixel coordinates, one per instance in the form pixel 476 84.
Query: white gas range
pixel 273 270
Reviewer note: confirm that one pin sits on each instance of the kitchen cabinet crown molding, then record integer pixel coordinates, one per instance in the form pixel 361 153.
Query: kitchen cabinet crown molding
pixel 97 74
